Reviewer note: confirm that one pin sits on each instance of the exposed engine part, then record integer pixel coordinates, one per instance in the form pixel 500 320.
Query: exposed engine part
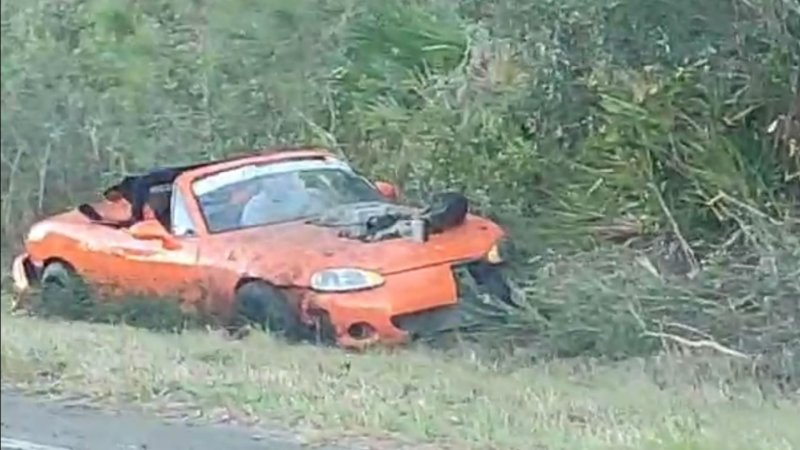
pixel 372 222
pixel 446 210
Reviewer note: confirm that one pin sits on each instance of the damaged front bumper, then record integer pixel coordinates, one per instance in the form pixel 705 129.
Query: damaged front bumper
pixel 444 298
pixel 482 290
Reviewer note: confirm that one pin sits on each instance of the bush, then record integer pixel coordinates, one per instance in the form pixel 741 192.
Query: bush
pixel 577 123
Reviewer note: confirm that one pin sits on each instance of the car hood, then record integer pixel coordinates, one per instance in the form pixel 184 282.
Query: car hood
pixel 290 253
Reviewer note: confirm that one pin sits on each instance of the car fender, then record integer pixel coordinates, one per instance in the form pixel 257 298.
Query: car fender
pixel 282 274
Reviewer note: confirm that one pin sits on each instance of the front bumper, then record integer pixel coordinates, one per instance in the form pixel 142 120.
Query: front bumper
pixel 475 281
pixel 24 274
pixel 409 305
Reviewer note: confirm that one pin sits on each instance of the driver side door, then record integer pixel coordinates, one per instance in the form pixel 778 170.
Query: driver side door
pixel 162 267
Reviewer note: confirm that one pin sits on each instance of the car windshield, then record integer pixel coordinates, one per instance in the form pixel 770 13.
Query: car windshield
pixel 264 194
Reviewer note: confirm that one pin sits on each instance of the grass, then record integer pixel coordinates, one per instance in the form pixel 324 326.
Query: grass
pixel 575 122
pixel 415 395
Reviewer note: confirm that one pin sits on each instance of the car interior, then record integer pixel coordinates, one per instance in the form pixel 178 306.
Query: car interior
pixel 152 191
pixel 159 202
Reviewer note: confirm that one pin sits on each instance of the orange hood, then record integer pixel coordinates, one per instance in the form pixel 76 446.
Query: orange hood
pixel 290 253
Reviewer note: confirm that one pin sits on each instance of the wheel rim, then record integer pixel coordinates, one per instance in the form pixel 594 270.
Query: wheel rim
pixel 55 288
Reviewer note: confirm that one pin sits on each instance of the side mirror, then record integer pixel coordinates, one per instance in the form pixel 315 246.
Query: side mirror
pixel 153 230
pixel 387 189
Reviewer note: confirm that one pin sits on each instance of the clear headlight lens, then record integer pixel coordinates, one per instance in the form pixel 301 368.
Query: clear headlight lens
pixel 500 252
pixel 345 279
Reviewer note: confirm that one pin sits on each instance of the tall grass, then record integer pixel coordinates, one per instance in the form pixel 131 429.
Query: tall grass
pixel 577 123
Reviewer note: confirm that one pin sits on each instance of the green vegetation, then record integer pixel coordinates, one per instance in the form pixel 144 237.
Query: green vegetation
pixel 669 403
pixel 644 154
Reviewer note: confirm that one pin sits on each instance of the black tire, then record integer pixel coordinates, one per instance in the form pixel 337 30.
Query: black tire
pixel 494 282
pixel 260 304
pixel 63 292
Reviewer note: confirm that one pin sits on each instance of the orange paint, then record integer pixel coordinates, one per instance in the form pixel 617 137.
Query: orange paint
pixel 202 270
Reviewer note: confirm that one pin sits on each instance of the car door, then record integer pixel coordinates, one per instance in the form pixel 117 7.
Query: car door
pixel 148 267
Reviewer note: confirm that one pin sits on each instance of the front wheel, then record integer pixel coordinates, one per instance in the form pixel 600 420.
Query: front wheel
pixel 265 306
pixel 63 293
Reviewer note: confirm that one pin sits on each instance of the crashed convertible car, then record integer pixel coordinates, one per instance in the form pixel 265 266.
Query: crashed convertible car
pixel 295 241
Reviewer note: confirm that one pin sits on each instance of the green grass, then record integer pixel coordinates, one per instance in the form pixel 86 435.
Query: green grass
pixel 575 122
pixel 449 400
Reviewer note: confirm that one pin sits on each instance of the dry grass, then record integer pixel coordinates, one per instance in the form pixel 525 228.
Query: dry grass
pixel 668 403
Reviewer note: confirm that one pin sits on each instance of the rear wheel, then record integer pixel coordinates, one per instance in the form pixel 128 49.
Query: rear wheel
pixel 64 292
pixel 263 305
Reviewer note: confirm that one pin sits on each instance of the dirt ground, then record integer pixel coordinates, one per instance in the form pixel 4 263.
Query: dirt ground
pixel 30 423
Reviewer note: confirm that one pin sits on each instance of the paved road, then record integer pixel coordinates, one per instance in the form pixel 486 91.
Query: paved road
pixel 33 424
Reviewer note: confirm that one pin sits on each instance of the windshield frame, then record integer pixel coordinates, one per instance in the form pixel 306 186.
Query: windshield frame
pixel 268 167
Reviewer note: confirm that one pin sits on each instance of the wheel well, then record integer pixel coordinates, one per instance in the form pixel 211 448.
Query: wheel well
pixel 244 280
pixel 56 259
pixel 35 273
pixel 250 279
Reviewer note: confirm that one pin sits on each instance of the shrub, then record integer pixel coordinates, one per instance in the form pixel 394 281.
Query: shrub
pixel 576 123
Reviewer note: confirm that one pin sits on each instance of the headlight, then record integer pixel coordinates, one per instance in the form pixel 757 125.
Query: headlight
pixel 500 252
pixel 345 279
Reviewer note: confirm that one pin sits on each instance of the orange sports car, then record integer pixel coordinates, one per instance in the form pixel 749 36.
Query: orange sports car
pixel 295 241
